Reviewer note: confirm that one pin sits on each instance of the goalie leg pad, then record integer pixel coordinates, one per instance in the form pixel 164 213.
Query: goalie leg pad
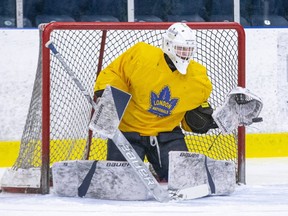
pixel 112 180
pixel 223 175
pixel 188 169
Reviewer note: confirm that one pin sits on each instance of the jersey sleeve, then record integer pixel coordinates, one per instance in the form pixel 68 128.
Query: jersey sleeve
pixel 117 73
pixel 202 88
pixel 184 126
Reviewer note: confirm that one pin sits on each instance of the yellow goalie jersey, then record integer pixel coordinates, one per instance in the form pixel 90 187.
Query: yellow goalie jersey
pixel 160 97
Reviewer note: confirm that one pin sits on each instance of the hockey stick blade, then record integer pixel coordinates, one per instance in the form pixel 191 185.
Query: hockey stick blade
pixel 190 193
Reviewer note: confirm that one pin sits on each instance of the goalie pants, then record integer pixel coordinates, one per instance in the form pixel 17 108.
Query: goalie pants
pixel 156 149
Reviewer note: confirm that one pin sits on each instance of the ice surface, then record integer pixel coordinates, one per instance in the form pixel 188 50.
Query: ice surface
pixel 266 193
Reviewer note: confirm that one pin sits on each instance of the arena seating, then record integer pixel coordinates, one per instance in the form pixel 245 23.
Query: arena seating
pixel 148 11
pixel 64 10
pixel 267 13
pixel 187 11
pixel 10 22
pixel 254 13
pixel 103 11
pixel 223 11
pixel 8 15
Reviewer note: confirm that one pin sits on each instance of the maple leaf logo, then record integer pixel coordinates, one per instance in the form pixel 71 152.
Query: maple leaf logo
pixel 162 104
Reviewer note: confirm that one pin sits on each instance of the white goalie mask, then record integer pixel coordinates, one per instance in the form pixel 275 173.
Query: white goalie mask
pixel 179 43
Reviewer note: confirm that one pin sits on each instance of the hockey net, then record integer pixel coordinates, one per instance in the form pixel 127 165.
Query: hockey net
pixel 56 128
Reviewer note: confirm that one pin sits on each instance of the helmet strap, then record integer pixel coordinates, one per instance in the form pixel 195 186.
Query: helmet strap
pixel 170 63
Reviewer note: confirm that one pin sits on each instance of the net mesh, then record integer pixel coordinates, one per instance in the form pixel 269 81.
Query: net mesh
pixel 70 112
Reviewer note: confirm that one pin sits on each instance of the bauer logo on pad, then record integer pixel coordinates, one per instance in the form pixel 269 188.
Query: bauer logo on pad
pixel 109 111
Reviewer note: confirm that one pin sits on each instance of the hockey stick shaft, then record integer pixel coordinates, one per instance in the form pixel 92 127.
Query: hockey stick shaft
pixel 120 141
pixel 140 168
pixel 51 46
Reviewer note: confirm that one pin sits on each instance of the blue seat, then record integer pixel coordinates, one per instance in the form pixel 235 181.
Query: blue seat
pixel 228 18
pixel 185 18
pixel 64 10
pixel 147 18
pixel 98 18
pixel 223 11
pixel 8 15
pixel 267 13
pixel 7 8
pixel 32 9
pixel 52 18
pixel 268 21
pixel 103 11
pixel 147 11
pixel 10 22
pixel 186 11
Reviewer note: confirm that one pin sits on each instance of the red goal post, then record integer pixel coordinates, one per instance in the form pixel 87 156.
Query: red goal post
pixel 57 122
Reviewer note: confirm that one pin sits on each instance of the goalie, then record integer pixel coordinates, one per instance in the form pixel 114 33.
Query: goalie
pixel 168 88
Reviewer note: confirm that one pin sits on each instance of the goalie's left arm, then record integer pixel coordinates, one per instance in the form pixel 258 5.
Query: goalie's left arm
pixel 241 108
pixel 199 120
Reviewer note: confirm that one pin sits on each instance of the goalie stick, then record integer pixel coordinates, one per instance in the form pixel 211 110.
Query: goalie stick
pixel 152 185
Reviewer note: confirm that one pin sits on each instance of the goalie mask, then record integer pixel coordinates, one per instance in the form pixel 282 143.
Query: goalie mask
pixel 179 43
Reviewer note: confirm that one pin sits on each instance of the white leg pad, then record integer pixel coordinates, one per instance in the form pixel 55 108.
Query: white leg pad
pixel 188 169
pixel 111 180
pixel 223 174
